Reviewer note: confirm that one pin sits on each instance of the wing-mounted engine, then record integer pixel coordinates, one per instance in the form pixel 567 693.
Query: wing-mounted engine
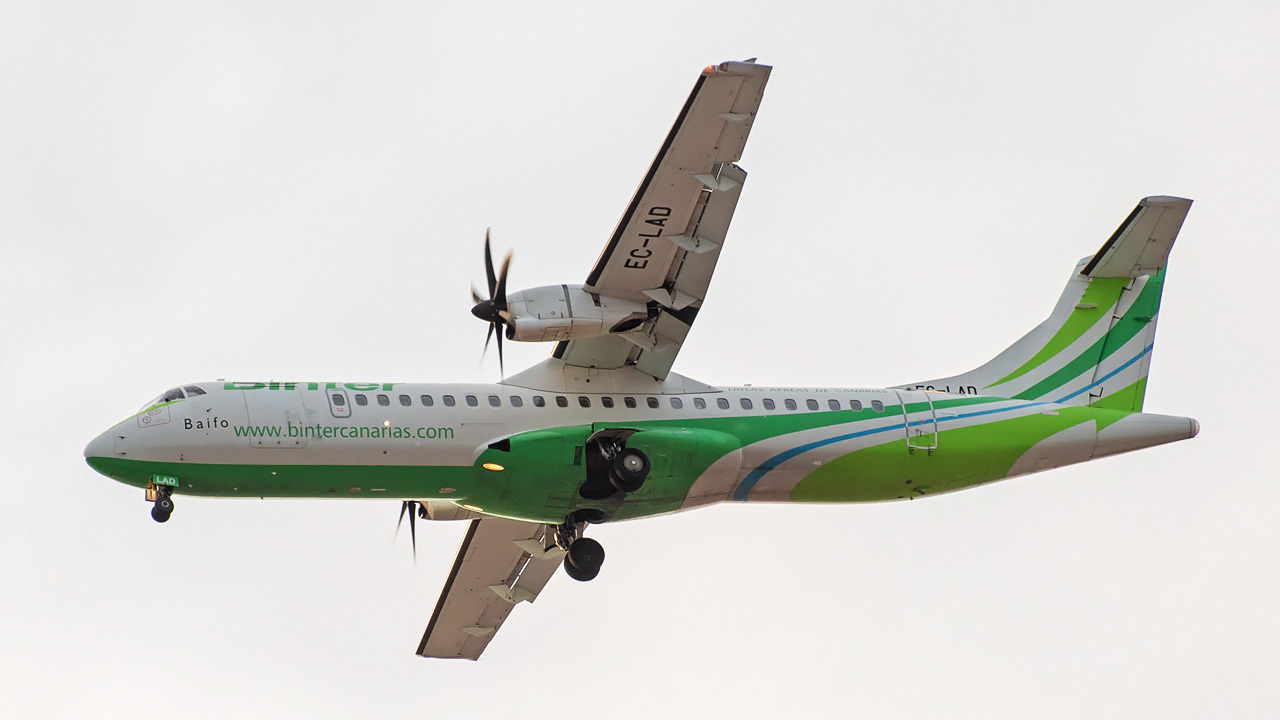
pixel 558 313
pixel 568 312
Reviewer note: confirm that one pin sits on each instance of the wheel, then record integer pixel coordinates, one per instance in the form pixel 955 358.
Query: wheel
pixel 159 515
pixel 584 559
pixel 630 468
pixel 164 505
pixel 577 574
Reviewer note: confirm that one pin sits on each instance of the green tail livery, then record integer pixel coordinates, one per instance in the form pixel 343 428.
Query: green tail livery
pixel 603 430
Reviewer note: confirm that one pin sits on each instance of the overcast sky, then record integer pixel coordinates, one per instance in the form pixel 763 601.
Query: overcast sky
pixel 260 191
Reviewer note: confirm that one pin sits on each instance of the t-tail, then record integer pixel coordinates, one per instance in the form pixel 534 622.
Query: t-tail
pixel 1095 348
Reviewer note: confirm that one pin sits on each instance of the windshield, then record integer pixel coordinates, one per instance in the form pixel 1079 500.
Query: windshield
pixel 167 396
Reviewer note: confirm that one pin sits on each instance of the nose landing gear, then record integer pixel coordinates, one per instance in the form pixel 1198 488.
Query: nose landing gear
pixel 163 506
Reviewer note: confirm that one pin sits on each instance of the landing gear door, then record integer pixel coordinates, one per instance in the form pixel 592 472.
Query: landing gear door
pixel 276 418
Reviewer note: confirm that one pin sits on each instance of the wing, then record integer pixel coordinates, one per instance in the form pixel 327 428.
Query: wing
pixel 666 245
pixel 501 563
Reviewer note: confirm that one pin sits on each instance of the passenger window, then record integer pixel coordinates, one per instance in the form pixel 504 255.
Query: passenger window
pixel 855 404
pixel 606 401
pixel 361 400
pixel 517 401
pixel 472 401
pixel 629 402
pixel 193 391
pixel 383 400
pixel 811 404
pixel 877 406
pixel 427 400
pixel 700 403
pixel 652 402
pixel 584 401
pixel 495 401
pixel 539 401
pixel 338 400
pixel 746 403
pixel 449 401
pixel 768 404
pixel 562 401
pixel 405 400
pixel 677 403
pixel 833 404
pixel 722 403
pixel 791 404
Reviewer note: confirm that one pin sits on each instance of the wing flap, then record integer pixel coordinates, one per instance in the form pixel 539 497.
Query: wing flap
pixel 498 566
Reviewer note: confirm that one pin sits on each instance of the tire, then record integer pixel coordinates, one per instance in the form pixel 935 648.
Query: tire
pixel 159 515
pixel 164 505
pixel 584 559
pixel 629 470
pixel 577 574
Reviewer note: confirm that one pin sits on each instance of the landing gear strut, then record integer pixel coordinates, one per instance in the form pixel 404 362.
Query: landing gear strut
pixel 583 556
pixel 164 505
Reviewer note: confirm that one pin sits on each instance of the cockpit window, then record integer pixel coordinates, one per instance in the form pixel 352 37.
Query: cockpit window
pixel 167 396
pixel 192 390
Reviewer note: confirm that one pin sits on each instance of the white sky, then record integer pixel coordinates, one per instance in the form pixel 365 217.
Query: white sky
pixel 300 191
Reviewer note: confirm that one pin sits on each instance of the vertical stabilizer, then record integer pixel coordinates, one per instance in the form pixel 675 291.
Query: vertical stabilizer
pixel 1095 348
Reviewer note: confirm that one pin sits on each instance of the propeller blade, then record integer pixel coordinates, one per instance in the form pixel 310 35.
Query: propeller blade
pixel 475 296
pixel 406 506
pixel 488 265
pixel 500 294
pixel 413 535
pixel 502 372
pixel 489 337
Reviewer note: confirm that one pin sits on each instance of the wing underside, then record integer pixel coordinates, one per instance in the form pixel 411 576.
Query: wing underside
pixel 500 564
pixel 664 249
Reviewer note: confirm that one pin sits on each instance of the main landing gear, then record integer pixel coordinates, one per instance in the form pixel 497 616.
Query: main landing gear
pixel 612 467
pixel 583 556
pixel 163 506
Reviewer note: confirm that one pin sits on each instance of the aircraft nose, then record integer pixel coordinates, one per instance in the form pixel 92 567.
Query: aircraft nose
pixel 102 446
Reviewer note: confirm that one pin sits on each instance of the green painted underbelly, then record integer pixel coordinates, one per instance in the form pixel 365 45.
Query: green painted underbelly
pixel 964 457
pixel 296 481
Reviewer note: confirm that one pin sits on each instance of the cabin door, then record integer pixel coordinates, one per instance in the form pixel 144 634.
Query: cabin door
pixel 276 418
pixel 920 419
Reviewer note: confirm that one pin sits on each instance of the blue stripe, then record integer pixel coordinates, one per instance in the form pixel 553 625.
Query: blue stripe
pixel 1108 376
pixel 753 478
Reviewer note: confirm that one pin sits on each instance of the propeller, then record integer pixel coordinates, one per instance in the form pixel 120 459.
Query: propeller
pixel 415 510
pixel 494 310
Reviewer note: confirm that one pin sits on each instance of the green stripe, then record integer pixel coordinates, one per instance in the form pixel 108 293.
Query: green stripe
pixel 1127 399
pixel 1135 319
pixel 1102 293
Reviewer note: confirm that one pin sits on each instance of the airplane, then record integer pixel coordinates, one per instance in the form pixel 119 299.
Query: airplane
pixel 604 431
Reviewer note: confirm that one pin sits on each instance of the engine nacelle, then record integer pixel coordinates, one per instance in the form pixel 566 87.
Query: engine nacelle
pixel 564 312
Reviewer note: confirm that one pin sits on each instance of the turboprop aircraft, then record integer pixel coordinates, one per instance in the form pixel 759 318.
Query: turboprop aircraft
pixel 603 431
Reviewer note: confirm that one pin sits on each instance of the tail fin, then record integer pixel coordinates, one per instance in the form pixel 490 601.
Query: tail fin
pixel 1095 348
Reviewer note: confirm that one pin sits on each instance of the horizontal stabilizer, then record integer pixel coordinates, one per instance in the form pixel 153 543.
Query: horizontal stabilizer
pixel 1140 246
